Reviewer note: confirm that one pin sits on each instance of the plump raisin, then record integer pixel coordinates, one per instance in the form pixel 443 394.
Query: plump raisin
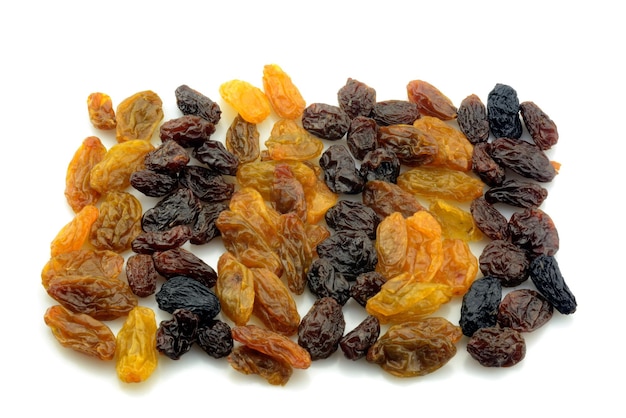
pixel 187 131
pixel 325 121
pixel 152 183
pixel 386 198
pixel 215 155
pixel 284 96
pixel 534 230
pixel 365 286
pixel 545 274
pixel 141 274
pixel 520 193
pixel 290 141
pixel 273 303
pixel 479 308
pixel 273 344
pixel 182 292
pixel 380 164
pixel 497 347
pixel 235 288
pixel 340 172
pixel 524 158
pixel 148 242
pixel 118 222
pixel 247 100
pixel 362 136
pixel 136 355
pixel 442 183
pixel 192 102
pixel 321 328
pixel 287 193
pixel 472 119
pixel 242 140
pixel 138 116
pixel 454 150
pixel 485 167
pixel 505 261
pixel 178 208
pixel 542 129
pixel 394 112
pixel 412 146
pixel 249 361
pixel 503 112
pixel 524 310
pixel 352 215
pixel 74 234
pixel 215 338
pixel 356 343
pixel 351 252
pixel 325 281
pixel 100 110
pixel 206 184
pixel 456 222
pixel 356 98
pixel 169 157
pixel 489 219
pixel 176 336
pixel 83 262
pixel 78 191
pixel 182 262
pixel 430 100
pixel 204 228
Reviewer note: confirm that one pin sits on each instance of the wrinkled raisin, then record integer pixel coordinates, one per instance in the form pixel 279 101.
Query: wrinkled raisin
pixel 386 198
pixel 153 183
pixel 505 261
pixel 141 274
pixel 524 158
pixel 479 308
pixel 545 274
pixel 169 157
pixel 489 219
pixel 325 121
pixel 215 338
pixel 362 136
pixel 351 252
pixel 206 184
pixel 340 171
pixel 503 112
pixel 321 328
pixel 542 129
pixel 187 131
pixel 192 102
pixel 324 281
pixel 394 112
pixel 182 262
pixel 497 347
pixel 178 208
pixel 351 215
pixel 485 167
pixel 148 242
pixel 524 310
pixel 176 336
pixel 357 342
pixel 182 292
pixel 430 100
pixel 356 98
pixel 242 140
pixel 520 193
pixel 365 286
pixel 472 119
pixel 215 155
pixel 534 230
pixel 380 164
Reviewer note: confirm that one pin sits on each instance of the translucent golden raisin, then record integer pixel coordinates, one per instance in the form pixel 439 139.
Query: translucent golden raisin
pixel 101 113
pixel 248 100
pixel 138 116
pixel 136 355
pixel 78 190
pixel 282 93
pixel 74 234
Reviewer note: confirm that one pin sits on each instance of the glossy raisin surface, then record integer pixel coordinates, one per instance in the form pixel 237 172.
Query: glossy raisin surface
pixel 503 112
pixel 153 183
pixel 153 241
pixel 325 121
pixel 242 140
pixel 412 146
pixel 168 157
pixel 216 157
pixel 356 343
pixel 187 131
pixel 506 261
pixel 340 172
pixel 394 112
pixel 380 164
pixel 497 347
pixel 486 168
pixel 479 308
pixel 546 275
pixel 182 292
pixel 524 310
pixel 176 336
pixel 430 100
pixel 362 136
pixel 352 215
pixel 351 252
pixel 524 158
pixel 534 230
pixel 489 219
pixel 249 361
pixel 542 129
pixel 182 262
pixel 206 184
pixel 324 280
pixel 472 119
pixel 178 208
pixel 356 98
pixel 520 193
pixel 386 198
pixel 321 328
pixel 141 274
pixel 215 338
pixel 192 102
pixel 365 286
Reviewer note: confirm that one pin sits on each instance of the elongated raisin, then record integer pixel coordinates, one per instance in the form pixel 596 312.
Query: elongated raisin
pixel 192 102
pixel 351 215
pixel 169 157
pixel 273 303
pixel 489 219
pixel 394 112
pixel 503 112
pixel 412 146
pixel 386 198
pixel 524 310
pixel 545 274
pixel 181 262
pixel 153 183
pixel 182 292
pixel 83 262
pixel 542 129
pixel 78 190
pixel 235 288
pixel 321 328
pixel 430 100
pixel 284 96
pixel 178 208
pixel 206 184
pixel 242 140
pixel 479 308
pixel 520 193
pixel 74 234
pixel 356 343
pixel 524 158
pixel 362 136
pixel 136 355
pixel 325 121
pixel 118 222
pixel 485 167
pixel 187 131
pixel 120 161
pixel 248 100
pixel 472 119
pixel 153 241
pixel 340 171
pixel 215 155
pixel 249 361
pixel 141 274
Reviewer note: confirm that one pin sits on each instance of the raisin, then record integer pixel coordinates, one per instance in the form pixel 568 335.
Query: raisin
pixel 394 112
pixel 441 182
pixel 204 228
pixel 74 234
pixel 247 100
pixel 505 261
pixel 153 183
pixel 78 191
pixel 351 252
pixel 489 219
pixel 136 355
pixel 287 193
pixel 459 266
pixel 206 184
pixel 365 286
pixel 138 116
pixel 118 222
pixel 235 289
pixel 120 161
pixel 182 292
pixel 520 193
pixel 290 141
pixel 497 347
pixel 524 158
pixel 485 167
pixel 249 361
pixel 153 241
pixel 356 98
pixel 273 303
pixel 182 262
pixel 100 297
pixel 412 146
pixel 321 328
pixel 284 96
pixel 192 102
pixel 242 140
pixel 534 230
pixel 380 164
pixel 545 274
pixel 83 262
pixel 273 344
pixel 454 150
pixel 356 343
pixel 294 251
pixel 472 119
pixel 187 131
pixel 141 274
pixel 176 336
pixel 81 332
pixel 340 172
pixel 386 198
pixel 324 281
pixel 524 310
pixel 168 157
pixel 430 100
pixel 215 338
pixel 503 112
pixel 413 349
pixel 217 158
pixel 542 129
pixel 362 136
pixel 479 307
pixel 456 223
pixel 325 121
pixel 178 208
pixel 352 215
pixel 101 113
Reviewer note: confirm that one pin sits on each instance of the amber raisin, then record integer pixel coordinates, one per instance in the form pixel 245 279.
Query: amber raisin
pixel 136 355
pixel 430 100
pixel 284 96
pixel 100 109
pixel 78 190
pixel 138 116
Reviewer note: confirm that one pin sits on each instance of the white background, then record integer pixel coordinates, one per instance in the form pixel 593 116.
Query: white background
pixel 565 56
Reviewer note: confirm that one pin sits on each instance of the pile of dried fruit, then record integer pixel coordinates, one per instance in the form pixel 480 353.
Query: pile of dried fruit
pixel 332 204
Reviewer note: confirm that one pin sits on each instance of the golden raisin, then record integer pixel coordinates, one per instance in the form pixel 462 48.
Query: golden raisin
pixel 282 93
pixel 136 354
pixel 248 100
pixel 101 113
pixel 78 190
pixel 138 116
pixel 74 234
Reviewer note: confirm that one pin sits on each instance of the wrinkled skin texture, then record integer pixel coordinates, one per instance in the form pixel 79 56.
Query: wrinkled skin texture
pixel 454 149
pixel 74 234
pixel 101 112
pixel 321 328
pixel 479 308
pixel 235 289
pixel 441 182
pixel 472 119
pixel 497 347
pixel 430 100
pixel 138 116
pixel 284 96
pixel 136 354
pixel 83 262
pixel 546 275
pixel 249 361
pixel 78 190
pixel 524 310
pixel 289 141
pixel 242 140
pixel 273 303
pixel 247 100
pixel 542 129
pixel 118 222
pixel 192 102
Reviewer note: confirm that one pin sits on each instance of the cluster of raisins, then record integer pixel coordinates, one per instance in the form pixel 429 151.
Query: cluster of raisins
pixel 285 228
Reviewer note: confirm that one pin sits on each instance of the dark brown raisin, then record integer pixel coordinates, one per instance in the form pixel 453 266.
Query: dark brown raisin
pixel 542 129
pixel 520 193
pixel 215 338
pixel 192 102
pixel 534 230
pixel 497 347
pixel 152 183
pixel 386 198
pixel 489 219
pixel 472 119
pixel 204 228
pixel 506 261
pixel 182 262
pixel 357 342
pixel 187 131
pixel 321 328
pixel 169 157
pixel 394 112
pixel 340 172
pixel 524 310
pixel 179 208
pixel 366 285
pixel 352 215
pixel 362 136
pixel 380 164
pixel 141 274
pixel 215 155
pixel 479 308
pixel 524 158
pixel 206 184
pixel 351 252
pixel 412 146
pixel 356 98
pixel 324 281
pixel 148 242
pixel 489 171
pixel 325 121
pixel 182 292
pixel 176 336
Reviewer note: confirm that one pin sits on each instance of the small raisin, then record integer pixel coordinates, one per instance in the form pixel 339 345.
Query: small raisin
pixel 356 343
pixel 524 310
pixel 356 98
pixel 394 112
pixel 506 261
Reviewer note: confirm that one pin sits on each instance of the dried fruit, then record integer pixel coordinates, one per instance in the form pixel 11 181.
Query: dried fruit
pixel 472 119
pixel 524 158
pixel 138 116
pixel 83 262
pixel 441 182
pixel 118 222
pixel 78 190
pixel 520 193
pixel 81 332
pixel 411 145
pixel 459 266
pixel 321 328
pixel 356 98
pixel 273 303
pixel 181 207
pixel 479 308
pixel 235 289
pixel 182 292
pixel 505 261
pixel 524 310
pixel 456 223
pixel 394 112
pixel 284 96
pixel 497 347
pixel 136 355
pixel 534 231
pixel 386 198
pixel 489 219
pixel 100 109
pixel 215 338
pixel 362 135
pixel 325 281
pixel 325 121
pixel 354 216
pixel 242 140
pixel 187 131
pixel 340 172
pixel 141 274
pixel 380 164
pixel 545 274
pixel 249 101
pixel 75 233
pixel 216 157
pixel 453 149
pixel 249 361
pixel 182 262
pixel 542 129
pixel 149 242
pixel 175 336
pixel 350 252
pixel 153 183
pixel 356 343
pixel 290 141
pixel 503 112
pixel 485 167
pixel 169 157
pixel 192 102
pixel 430 100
